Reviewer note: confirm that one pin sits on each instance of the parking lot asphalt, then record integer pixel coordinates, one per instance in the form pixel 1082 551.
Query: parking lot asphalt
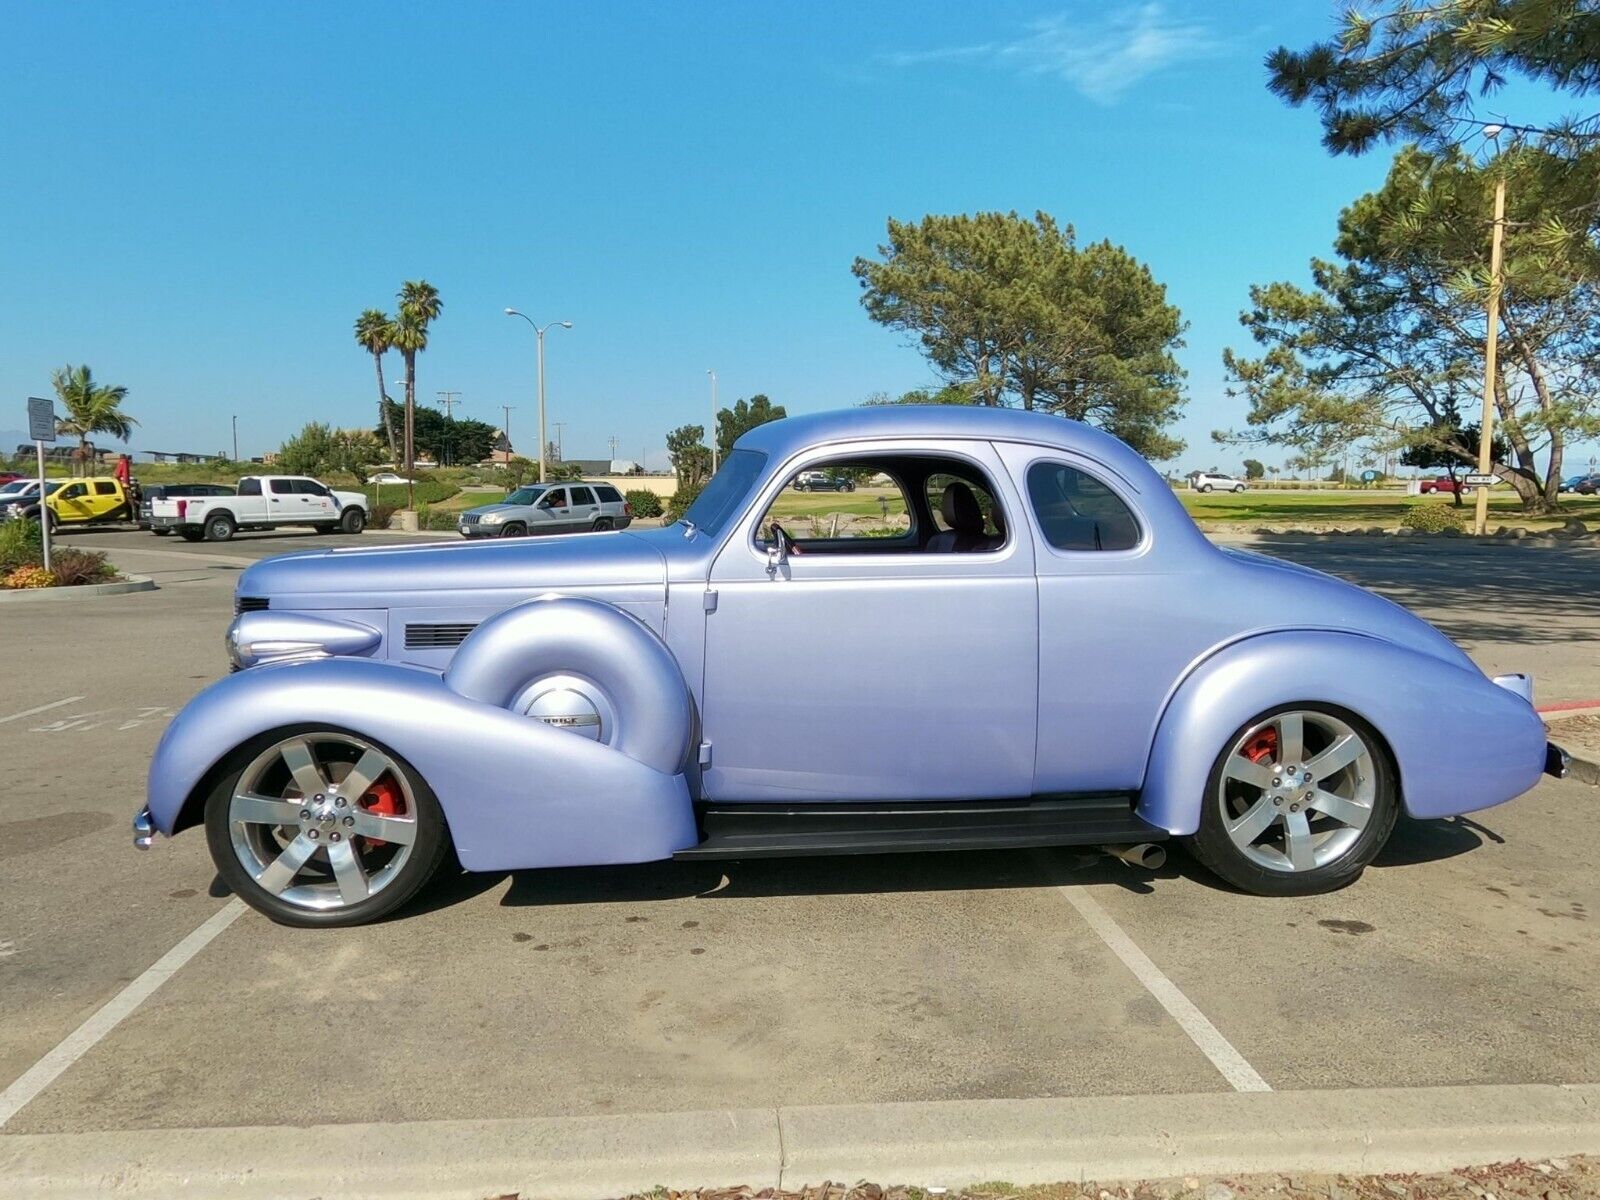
pixel 1467 955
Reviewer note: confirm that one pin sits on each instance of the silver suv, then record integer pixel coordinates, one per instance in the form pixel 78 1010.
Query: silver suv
pixel 581 507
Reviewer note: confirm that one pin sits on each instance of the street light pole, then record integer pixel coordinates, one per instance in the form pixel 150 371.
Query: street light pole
pixel 713 438
pixel 538 330
pixel 235 437
pixel 1491 348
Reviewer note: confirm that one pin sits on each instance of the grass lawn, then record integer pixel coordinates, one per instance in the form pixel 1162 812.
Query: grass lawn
pixel 1360 508
pixel 863 502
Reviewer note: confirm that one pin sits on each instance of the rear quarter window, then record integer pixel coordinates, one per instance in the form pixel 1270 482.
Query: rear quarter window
pixel 1077 512
pixel 609 495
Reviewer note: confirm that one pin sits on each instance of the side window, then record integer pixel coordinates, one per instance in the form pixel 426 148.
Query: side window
pixel 74 491
pixel 582 496
pixel 250 487
pixel 1078 512
pixel 554 498
pixel 943 490
pixel 608 495
pixel 309 487
pixel 281 487
pixel 104 487
pixel 863 509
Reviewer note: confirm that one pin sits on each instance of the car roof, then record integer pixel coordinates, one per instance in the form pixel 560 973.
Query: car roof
pixel 779 439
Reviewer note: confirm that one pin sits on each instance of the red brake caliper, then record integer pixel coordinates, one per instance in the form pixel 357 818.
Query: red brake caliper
pixel 1262 748
pixel 385 799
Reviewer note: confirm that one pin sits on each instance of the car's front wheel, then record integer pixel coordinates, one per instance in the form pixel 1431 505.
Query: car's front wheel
pixel 513 529
pixel 323 828
pixel 1299 802
pixel 352 520
pixel 1205 487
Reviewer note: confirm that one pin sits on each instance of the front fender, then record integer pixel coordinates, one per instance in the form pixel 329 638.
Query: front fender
pixel 515 792
pixel 1459 742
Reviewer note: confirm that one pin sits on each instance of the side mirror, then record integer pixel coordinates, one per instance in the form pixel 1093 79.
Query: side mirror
pixel 777 550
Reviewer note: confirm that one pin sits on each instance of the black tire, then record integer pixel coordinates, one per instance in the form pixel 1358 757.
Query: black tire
pixel 1214 849
pixel 514 529
pixel 602 525
pixel 219 527
pixel 850 486
pixel 800 487
pixel 191 535
pixel 1205 487
pixel 326 526
pixel 162 532
pixel 353 520
pixel 431 849
pixel 1240 488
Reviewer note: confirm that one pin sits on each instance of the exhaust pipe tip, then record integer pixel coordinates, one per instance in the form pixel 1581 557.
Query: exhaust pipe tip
pixel 1148 855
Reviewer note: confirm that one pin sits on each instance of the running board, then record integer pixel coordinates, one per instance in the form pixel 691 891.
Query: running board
pixel 786 830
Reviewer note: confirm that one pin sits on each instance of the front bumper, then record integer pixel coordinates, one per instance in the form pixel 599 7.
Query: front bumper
pixel 1557 762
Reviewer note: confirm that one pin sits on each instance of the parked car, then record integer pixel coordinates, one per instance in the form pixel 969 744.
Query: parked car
pixel 549 508
pixel 1442 483
pixel 73 502
pixel 1206 481
pixel 262 502
pixel 388 477
pixel 22 495
pixel 162 526
pixel 823 481
pixel 1049 652
pixel 10 477
pixel 1587 486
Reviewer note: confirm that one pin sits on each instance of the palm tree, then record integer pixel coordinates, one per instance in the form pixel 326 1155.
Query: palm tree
pixel 375 332
pixel 91 407
pixel 419 307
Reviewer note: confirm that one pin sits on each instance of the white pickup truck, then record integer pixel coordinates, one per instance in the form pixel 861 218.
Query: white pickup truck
pixel 262 502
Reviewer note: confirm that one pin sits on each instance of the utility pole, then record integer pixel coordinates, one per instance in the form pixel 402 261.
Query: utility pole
pixel 505 429
pixel 1491 348
pixel 560 453
pixel 613 440
pixel 235 437
pixel 447 399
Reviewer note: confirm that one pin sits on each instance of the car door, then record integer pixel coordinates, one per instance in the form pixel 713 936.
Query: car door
pixel 320 502
pixel 283 505
pixel 105 499
pixel 861 676
pixel 584 507
pixel 552 514
pixel 71 502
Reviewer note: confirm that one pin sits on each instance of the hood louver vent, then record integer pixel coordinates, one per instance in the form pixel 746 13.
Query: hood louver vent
pixel 244 604
pixel 436 637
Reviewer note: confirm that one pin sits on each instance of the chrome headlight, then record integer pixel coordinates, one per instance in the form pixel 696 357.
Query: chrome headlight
pixel 255 638
pixel 492 518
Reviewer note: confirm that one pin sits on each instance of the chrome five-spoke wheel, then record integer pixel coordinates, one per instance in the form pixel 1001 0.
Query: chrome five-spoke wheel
pixel 1299 802
pixel 324 827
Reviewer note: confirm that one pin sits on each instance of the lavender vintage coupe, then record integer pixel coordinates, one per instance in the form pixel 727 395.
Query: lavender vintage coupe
pixel 1035 647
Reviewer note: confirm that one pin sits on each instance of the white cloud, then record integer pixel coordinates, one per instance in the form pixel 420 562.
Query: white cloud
pixel 1101 56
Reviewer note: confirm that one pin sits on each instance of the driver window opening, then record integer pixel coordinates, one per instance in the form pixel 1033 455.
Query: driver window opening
pixel 886 504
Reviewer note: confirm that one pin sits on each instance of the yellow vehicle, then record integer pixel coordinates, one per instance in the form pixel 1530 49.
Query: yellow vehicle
pixel 86 502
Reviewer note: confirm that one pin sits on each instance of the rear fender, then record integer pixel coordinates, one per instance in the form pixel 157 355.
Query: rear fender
pixel 1459 742
pixel 515 792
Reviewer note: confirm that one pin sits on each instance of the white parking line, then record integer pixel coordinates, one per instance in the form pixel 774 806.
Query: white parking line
pixel 1201 1032
pixel 28 712
pixel 82 1039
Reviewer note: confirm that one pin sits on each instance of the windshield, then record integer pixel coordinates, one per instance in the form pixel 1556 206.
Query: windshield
pixel 726 492
pixel 526 495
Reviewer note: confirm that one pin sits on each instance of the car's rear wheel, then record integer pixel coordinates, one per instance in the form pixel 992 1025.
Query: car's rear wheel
pixel 323 828
pixel 1299 802
pixel 603 524
pixel 219 528
pixel 513 529
pixel 161 532
pixel 326 526
pixel 191 535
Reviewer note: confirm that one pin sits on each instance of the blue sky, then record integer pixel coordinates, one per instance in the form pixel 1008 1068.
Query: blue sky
pixel 199 200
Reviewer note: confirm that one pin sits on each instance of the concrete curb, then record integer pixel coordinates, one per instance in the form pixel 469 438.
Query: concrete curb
pixel 952 1143
pixel 87 591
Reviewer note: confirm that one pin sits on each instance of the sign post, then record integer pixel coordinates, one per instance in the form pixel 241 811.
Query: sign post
pixel 42 429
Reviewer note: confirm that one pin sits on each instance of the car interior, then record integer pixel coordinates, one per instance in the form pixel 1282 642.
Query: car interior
pixel 948 505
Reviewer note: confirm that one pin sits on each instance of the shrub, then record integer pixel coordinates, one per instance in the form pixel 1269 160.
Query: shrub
pixel 645 502
pixel 75 567
pixel 680 501
pixel 1431 518
pixel 435 518
pixel 29 577
pixel 423 491
pixel 379 515
pixel 20 546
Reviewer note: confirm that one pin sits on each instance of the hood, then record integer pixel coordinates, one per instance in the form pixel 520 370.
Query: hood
pixel 418 574
pixel 482 509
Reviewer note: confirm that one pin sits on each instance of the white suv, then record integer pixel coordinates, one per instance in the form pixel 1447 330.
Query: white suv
pixel 1204 481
